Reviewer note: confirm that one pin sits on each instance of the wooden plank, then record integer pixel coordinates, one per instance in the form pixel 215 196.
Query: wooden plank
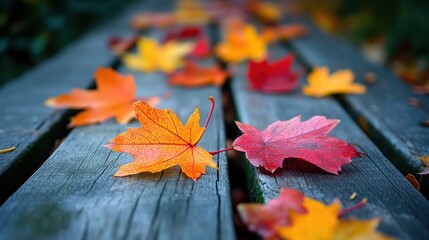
pixel 26 123
pixel 373 176
pixel 166 205
pixel 74 194
pixel 384 111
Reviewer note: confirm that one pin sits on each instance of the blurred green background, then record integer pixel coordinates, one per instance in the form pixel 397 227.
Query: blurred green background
pixel 394 33
pixel 32 30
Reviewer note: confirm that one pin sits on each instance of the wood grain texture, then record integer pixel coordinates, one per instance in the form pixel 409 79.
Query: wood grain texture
pixel 384 111
pixel 403 209
pixel 75 196
pixel 30 126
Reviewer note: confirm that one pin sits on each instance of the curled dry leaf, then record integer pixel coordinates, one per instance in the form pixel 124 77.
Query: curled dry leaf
pixel 322 84
pixel 307 140
pixel 265 219
pixel 163 141
pixel 113 98
pixel 241 43
pixel 152 56
pixel 413 181
pixel 196 76
pixel 276 77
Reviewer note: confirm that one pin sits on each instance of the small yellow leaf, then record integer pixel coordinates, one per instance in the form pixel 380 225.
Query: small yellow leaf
pixel 322 84
pixel 152 57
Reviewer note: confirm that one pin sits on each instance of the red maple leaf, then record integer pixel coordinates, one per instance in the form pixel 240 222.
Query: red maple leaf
pixel 276 77
pixel 307 140
pixel 265 219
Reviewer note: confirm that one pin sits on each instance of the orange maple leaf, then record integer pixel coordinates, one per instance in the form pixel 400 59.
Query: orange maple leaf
pixel 113 98
pixel 163 141
pixel 196 76
pixel 322 84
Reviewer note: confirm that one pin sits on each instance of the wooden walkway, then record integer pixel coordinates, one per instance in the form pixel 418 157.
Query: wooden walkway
pixel 71 194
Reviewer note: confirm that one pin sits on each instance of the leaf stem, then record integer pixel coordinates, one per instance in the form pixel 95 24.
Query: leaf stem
pixel 352 208
pixel 219 151
pixel 211 111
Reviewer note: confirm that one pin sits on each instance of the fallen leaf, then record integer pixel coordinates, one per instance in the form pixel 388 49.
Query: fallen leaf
pixel 163 141
pixel 307 140
pixel 183 33
pixel 425 161
pixel 295 216
pixel 201 48
pixel 264 219
pixel 6 150
pixel 413 181
pixel 119 45
pixel 151 56
pixel 150 19
pixel 268 13
pixel 190 12
pixel 241 43
pixel 322 84
pixel 370 77
pixel 113 98
pixel 319 222
pixel 277 77
pixel 284 32
pixel 196 76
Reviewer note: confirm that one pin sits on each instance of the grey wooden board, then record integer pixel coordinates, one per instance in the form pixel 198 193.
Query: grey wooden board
pixel 30 126
pixel 403 209
pixel 393 123
pixel 75 196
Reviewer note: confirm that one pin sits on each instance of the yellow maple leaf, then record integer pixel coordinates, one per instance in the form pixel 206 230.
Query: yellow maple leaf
pixel 322 84
pixel 318 223
pixel 152 56
pixel 241 43
pixel 321 222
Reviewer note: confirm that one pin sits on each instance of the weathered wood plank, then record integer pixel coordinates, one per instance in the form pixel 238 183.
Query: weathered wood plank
pixel 389 194
pixel 384 111
pixel 75 196
pixel 26 123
